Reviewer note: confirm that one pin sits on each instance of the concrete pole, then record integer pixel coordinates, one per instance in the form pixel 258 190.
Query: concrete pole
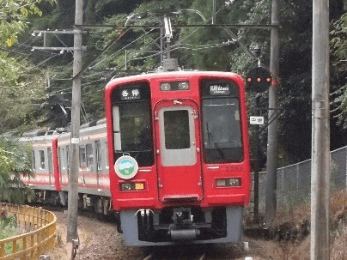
pixel 320 177
pixel 75 122
pixel 271 163
pixel 213 11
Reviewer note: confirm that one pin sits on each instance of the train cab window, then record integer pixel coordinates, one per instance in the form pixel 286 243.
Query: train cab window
pixel 132 126
pixel 221 123
pixel 42 159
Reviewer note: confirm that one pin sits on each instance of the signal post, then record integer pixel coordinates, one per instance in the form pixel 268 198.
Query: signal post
pixel 258 80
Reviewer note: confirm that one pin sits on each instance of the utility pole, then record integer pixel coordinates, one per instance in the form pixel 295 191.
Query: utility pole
pixel 213 11
pixel 320 178
pixel 75 122
pixel 271 164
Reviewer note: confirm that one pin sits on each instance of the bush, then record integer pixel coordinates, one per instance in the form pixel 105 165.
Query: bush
pixel 9 228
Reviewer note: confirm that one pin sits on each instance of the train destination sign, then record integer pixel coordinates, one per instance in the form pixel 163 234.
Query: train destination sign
pixel 220 89
pixel 130 94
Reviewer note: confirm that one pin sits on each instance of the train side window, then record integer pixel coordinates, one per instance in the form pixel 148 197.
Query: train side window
pixel 67 157
pixel 50 164
pixel 61 159
pixel 42 159
pixel 34 161
pixel 105 155
pixel 98 155
pixel 89 156
pixel 83 163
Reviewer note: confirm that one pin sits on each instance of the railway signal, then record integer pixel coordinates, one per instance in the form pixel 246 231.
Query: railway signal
pixel 258 79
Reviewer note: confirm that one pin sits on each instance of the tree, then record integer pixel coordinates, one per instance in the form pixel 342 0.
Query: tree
pixel 15 163
pixel 136 50
pixel 339 66
pixel 13 16
pixel 19 86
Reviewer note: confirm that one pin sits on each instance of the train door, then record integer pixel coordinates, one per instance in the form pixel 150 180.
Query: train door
pixel 178 151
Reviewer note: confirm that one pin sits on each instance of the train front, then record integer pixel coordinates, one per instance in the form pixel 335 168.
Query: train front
pixel 179 158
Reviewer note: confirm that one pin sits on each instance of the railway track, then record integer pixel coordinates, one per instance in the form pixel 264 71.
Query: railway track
pixel 152 256
pixel 100 240
pixel 196 252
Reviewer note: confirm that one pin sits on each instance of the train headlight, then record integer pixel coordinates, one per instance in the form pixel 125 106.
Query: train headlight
pixel 126 186
pixel 228 182
pixel 183 85
pixel 166 86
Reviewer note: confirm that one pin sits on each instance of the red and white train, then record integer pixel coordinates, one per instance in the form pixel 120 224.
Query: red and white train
pixel 172 158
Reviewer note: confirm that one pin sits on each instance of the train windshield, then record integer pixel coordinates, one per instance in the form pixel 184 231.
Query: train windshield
pixel 222 130
pixel 133 134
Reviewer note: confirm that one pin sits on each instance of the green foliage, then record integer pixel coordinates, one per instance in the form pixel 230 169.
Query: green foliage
pixel 13 15
pixel 9 228
pixel 338 39
pixel 19 85
pixel 15 162
pixel 114 52
pixel 338 47
pixel 19 96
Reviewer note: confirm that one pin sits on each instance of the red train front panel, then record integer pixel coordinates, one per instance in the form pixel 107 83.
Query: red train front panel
pixel 178 152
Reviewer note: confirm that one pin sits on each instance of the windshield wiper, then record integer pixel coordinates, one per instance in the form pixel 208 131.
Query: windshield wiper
pixel 210 137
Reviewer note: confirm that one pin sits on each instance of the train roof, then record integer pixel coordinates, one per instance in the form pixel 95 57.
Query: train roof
pixel 40 138
pixel 100 127
pixel 171 74
pixel 38 135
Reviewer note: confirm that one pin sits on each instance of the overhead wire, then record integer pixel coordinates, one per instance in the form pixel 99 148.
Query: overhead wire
pixel 43 62
pixel 140 52
pixel 94 63
pixel 205 22
pixel 107 47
